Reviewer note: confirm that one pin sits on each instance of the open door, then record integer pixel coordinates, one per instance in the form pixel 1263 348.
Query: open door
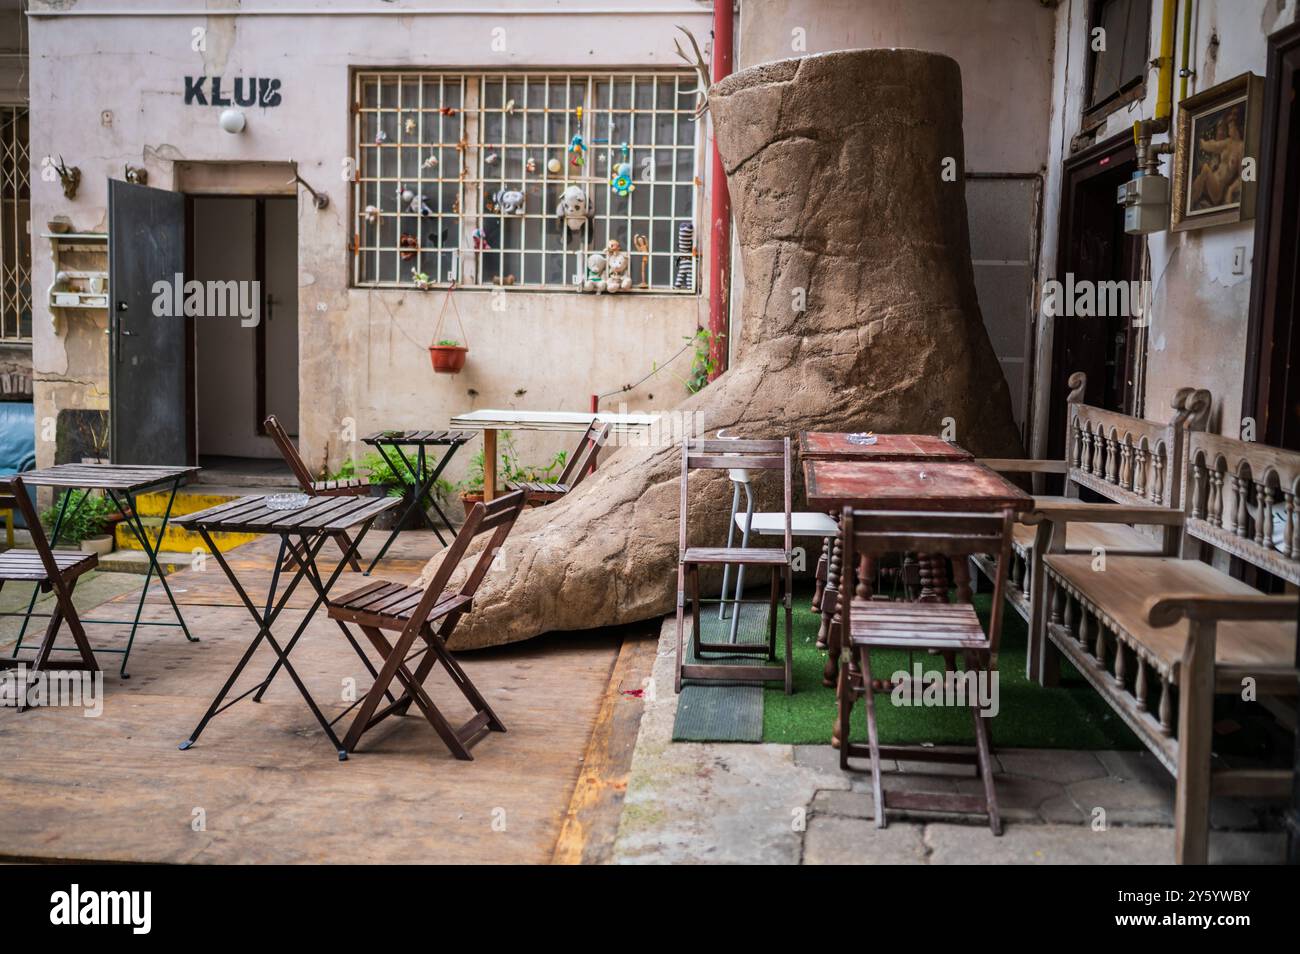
pixel 147 369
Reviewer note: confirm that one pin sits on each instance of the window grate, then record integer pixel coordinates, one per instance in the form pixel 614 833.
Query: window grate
pixel 15 231
pixel 434 153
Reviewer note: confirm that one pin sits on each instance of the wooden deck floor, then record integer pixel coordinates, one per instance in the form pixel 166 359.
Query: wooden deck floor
pixel 263 784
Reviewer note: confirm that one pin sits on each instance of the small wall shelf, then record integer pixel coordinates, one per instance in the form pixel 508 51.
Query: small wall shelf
pixel 72 287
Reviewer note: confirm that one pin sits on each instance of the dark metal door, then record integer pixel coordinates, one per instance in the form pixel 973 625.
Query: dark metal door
pixel 146 245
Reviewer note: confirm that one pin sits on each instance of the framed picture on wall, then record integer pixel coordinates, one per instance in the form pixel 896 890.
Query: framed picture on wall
pixel 1216 152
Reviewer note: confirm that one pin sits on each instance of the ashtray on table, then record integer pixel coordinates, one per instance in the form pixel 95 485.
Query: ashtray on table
pixel 286 501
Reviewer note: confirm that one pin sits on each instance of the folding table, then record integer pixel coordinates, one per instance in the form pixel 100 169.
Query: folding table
pixel 490 421
pixel 423 477
pixel 121 483
pixel 302 531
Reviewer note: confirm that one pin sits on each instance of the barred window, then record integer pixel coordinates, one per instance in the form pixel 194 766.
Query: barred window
pixel 15 234
pixel 462 177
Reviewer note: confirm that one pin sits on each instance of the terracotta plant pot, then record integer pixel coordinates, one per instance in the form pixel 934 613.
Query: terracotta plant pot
pixel 469 500
pixel 448 359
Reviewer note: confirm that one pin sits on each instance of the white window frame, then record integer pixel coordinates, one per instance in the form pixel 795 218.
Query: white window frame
pixel 378 175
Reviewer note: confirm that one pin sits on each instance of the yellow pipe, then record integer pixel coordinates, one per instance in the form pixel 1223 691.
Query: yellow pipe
pixel 1164 95
pixel 1187 49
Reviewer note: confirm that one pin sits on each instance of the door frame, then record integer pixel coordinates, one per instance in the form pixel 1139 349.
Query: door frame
pixel 1274 290
pixel 259 200
pixel 1076 170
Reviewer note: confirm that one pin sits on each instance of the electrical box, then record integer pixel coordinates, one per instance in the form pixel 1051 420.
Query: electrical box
pixel 1146 204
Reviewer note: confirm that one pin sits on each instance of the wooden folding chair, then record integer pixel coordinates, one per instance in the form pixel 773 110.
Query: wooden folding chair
pixel 943 628
pixel 728 455
pixel 579 465
pixel 55 570
pixel 352 487
pixel 381 605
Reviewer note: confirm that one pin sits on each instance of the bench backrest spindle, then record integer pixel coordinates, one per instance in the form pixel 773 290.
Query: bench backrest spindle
pixel 1241 497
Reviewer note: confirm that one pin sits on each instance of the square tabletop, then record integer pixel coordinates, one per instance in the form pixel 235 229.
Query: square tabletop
pixel 127 477
pixel 490 419
pixel 828 445
pixel 412 438
pixel 963 487
pixel 318 515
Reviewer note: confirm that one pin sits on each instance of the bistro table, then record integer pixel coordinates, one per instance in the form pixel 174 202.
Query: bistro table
pixel 490 421
pixel 933 486
pixel 302 531
pixel 120 483
pixel 422 476
pixel 832 445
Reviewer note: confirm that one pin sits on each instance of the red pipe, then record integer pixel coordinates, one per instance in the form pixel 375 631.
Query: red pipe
pixel 720 210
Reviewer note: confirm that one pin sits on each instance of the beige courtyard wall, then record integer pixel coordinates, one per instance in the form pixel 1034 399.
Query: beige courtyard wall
pixel 362 360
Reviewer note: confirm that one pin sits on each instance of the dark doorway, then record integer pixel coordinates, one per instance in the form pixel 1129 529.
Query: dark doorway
pixel 1094 247
pixel 1272 385
pixel 244 371
pixel 147 332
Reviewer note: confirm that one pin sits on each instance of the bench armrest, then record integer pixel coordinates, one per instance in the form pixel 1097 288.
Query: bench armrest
pixel 1067 511
pixel 1168 608
pixel 1013 465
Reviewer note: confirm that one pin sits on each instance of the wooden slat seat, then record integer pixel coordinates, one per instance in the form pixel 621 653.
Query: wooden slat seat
pixel 1255 648
pixel 727 454
pixel 538 487
pixel 429 615
pixel 350 486
pixel 54 571
pixel 752 556
pixel 919 626
pixel 390 605
pixel 1084 537
pixel 27 564
pixel 580 463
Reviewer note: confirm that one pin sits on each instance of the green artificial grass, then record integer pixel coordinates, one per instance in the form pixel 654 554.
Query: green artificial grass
pixel 1071 716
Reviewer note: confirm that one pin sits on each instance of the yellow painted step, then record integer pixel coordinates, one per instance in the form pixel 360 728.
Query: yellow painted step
pixel 177 539
pixel 187 501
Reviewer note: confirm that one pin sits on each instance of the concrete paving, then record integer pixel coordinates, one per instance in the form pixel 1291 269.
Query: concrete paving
pixel 782 804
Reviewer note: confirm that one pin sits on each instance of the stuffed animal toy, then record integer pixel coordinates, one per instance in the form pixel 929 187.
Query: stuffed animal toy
pixel 573 212
pixel 595 278
pixel 616 277
pixel 509 201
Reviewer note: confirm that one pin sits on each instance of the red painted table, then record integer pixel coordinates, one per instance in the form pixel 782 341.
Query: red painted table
pixel 925 485
pixel 832 445
pixel 826 445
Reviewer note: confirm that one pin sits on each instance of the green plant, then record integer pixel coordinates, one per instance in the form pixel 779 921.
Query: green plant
pixel 510 467
pixel 703 363
pixel 86 516
pixel 379 472
pixel 448 343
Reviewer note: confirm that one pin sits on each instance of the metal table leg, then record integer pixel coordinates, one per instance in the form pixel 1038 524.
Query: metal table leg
pixel 131 515
pixel 264 621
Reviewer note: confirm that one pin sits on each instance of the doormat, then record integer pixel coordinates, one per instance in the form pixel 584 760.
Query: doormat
pixel 718 711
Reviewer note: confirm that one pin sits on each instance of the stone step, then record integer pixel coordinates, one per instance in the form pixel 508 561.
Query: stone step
pixel 135 561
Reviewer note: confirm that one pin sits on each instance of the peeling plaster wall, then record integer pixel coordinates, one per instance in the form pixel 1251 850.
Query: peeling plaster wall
pixel 363 364
pixel 1199 314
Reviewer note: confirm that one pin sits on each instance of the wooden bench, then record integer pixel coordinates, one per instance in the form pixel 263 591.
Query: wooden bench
pixel 1160 635
pixel 1132 463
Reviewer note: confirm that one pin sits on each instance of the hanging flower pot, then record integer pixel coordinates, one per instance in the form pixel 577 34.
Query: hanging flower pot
pixel 448 356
